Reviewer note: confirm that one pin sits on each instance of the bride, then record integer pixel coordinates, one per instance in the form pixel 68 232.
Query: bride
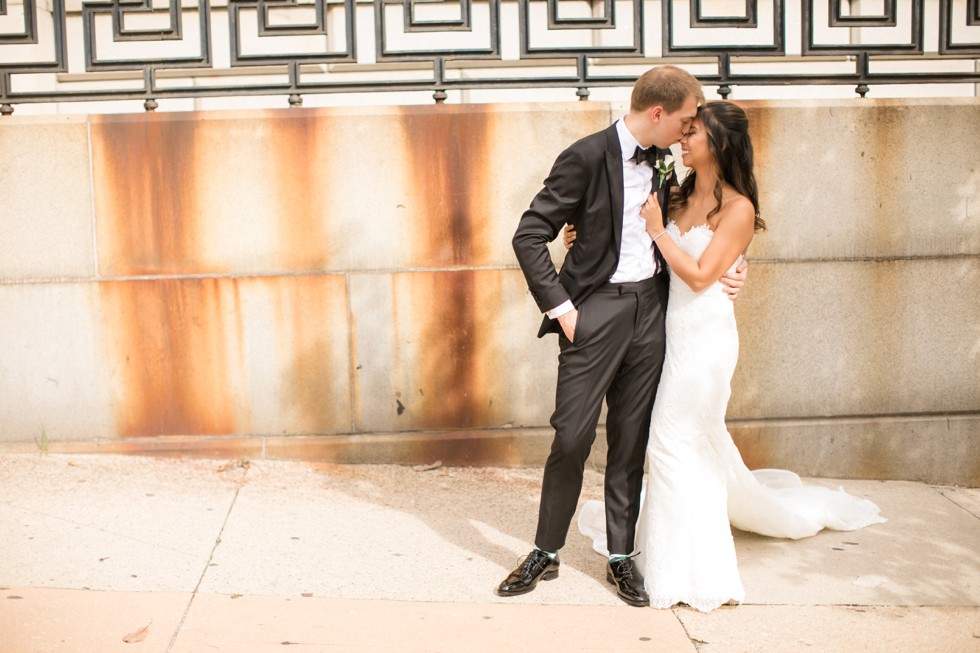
pixel 697 483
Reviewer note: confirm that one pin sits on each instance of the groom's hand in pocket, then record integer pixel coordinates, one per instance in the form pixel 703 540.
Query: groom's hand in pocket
pixel 568 322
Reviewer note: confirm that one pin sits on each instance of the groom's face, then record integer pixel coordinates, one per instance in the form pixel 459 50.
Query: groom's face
pixel 674 125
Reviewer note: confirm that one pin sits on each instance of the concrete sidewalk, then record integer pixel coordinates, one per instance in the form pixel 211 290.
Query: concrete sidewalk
pixel 192 555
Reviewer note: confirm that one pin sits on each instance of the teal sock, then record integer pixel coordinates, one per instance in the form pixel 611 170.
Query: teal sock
pixel 550 554
pixel 613 557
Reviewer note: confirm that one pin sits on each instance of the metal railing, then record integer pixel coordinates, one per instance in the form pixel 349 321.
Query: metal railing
pixel 104 50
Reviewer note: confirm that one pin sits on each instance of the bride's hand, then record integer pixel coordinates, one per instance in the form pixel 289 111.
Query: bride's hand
pixel 650 211
pixel 569 236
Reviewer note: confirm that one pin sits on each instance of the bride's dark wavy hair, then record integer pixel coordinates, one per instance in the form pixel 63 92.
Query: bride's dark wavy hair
pixel 727 128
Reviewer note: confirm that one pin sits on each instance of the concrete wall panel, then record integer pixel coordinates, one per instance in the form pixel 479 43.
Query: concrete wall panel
pixel 45 199
pixel 52 377
pixel 444 350
pixel 872 179
pixel 858 338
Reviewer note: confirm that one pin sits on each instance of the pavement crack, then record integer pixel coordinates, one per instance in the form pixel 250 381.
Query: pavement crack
pixel 942 493
pixel 207 565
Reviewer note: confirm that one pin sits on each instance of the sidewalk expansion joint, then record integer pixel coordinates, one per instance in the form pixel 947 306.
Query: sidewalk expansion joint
pixel 956 503
pixel 207 565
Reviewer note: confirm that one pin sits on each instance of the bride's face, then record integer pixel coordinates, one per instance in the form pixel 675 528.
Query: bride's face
pixel 695 152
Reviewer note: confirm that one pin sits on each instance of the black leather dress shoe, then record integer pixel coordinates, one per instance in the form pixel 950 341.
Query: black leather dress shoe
pixel 536 566
pixel 629 583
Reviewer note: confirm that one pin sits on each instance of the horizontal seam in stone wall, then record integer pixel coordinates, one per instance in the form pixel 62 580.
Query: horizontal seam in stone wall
pixel 254 275
pixel 498 431
pixel 543 430
pixel 458 268
pixel 864 417
pixel 865 259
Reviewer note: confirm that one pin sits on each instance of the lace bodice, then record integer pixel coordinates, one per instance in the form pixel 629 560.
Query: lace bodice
pixel 693 242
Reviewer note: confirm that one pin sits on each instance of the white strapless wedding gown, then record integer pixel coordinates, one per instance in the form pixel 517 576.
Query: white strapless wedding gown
pixel 697 483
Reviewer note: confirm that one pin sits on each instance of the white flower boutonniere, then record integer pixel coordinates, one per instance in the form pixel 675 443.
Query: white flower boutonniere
pixel 664 167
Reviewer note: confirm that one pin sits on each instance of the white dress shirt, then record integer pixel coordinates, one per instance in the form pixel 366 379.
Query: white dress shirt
pixel 636 259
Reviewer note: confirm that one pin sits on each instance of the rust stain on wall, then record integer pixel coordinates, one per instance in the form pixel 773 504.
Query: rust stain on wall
pixel 302 188
pixel 448 366
pixel 170 369
pixel 763 126
pixel 313 316
pixel 761 130
pixel 881 359
pixel 145 193
pixel 193 356
pixel 889 172
pixel 447 153
pixel 753 446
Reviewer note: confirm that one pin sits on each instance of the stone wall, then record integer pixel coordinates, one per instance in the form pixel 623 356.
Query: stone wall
pixel 339 284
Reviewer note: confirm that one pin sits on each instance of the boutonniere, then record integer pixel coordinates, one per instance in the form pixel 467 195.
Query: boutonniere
pixel 664 167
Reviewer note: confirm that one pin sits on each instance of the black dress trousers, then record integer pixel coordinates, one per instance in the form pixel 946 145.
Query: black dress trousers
pixel 618 355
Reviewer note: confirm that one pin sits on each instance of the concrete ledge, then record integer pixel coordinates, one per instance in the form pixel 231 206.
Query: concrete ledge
pixel 931 449
pixel 502 448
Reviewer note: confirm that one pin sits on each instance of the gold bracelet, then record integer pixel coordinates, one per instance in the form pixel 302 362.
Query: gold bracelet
pixel 659 235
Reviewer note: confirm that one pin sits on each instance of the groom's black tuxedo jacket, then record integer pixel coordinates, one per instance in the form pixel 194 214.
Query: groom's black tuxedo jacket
pixel 585 189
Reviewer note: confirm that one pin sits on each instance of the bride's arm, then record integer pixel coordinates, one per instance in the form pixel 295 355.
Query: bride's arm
pixel 735 228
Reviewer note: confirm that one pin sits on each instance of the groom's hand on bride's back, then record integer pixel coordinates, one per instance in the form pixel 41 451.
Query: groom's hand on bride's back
pixel 732 283
pixel 569 235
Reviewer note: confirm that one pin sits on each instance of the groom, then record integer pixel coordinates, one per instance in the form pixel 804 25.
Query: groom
pixel 607 306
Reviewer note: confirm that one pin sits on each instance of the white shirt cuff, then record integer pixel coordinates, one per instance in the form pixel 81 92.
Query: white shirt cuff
pixel 561 309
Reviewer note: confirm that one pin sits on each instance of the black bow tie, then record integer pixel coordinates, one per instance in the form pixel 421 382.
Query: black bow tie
pixel 649 155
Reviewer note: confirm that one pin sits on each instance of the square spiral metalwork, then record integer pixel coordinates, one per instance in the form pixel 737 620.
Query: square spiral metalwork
pixel 29 35
pixel 912 10
pixel 622 21
pixel 413 23
pixel 748 18
pixel 701 26
pixel 55 63
pixel 120 10
pixel 266 30
pixel 838 19
pixel 397 22
pixel 946 15
pixel 605 20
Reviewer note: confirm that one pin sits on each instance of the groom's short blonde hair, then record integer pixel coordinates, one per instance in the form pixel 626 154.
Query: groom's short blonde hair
pixel 665 86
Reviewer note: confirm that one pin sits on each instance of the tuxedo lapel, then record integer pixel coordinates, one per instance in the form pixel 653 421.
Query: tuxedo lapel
pixel 663 192
pixel 614 173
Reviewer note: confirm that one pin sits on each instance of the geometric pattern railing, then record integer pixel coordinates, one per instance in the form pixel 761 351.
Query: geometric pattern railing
pixel 154 49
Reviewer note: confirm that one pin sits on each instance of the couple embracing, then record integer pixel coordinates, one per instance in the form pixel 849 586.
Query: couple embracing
pixel 664 372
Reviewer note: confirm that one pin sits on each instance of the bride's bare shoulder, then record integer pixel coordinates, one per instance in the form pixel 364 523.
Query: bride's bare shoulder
pixel 738 203
pixel 736 208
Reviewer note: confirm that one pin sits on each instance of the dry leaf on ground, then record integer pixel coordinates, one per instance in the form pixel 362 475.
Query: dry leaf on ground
pixel 137 635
